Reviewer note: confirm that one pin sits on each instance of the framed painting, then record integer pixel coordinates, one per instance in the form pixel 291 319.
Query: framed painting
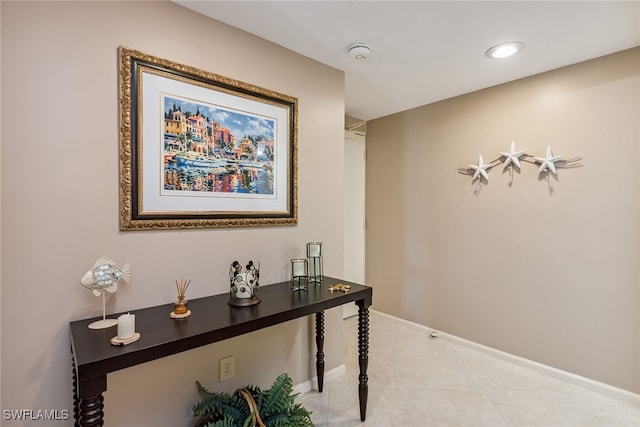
pixel 199 150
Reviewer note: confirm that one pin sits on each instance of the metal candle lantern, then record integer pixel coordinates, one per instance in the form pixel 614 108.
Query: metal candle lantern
pixel 243 286
pixel 299 275
pixel 314 255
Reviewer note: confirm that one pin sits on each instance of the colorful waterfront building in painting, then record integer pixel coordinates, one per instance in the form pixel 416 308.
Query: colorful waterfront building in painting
pixel 177 124
pixel 198 127
pixel 221 134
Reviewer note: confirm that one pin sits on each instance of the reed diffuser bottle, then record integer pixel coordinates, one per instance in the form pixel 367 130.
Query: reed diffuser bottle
pixel 181 305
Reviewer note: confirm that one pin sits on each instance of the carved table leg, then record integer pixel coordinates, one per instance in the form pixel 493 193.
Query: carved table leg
pixel 90 411
pixel 319 346
pixel 363 356
pixel 88 402
pixel 76 402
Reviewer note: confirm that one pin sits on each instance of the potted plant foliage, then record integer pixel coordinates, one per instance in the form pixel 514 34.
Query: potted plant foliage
pixel 251 407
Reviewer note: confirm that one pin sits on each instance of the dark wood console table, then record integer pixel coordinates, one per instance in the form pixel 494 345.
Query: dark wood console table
pixel 212 320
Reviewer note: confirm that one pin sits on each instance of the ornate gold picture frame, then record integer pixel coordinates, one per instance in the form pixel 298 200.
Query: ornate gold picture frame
pixel 199 150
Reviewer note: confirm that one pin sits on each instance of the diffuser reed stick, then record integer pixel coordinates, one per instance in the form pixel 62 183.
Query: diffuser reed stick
pixel 182 286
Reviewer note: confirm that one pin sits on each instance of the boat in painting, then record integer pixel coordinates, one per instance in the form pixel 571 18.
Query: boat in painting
pixel 198 161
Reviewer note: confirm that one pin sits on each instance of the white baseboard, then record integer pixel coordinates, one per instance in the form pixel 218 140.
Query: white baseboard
pixel 578 380
pixel 313 382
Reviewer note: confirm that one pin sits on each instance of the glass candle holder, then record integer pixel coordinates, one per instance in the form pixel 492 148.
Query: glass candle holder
pixel 314 257
pixel 299 274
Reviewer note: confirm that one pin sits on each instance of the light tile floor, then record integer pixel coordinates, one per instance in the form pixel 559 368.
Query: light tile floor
pixel 417 381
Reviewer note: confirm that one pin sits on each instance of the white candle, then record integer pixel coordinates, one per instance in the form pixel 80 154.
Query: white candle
pixel 313 249
pixel 126 326
pixel 299 267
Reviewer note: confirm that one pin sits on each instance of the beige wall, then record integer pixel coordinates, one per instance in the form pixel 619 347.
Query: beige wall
pixel 544 269
pixel 60 203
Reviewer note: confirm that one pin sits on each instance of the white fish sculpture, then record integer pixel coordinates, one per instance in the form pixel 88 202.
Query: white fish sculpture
pixel 105 275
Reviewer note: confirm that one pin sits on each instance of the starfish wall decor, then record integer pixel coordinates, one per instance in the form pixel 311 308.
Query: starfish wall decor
pixel 511 160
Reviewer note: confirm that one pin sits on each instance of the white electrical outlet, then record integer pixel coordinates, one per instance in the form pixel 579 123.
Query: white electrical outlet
pixel 227 368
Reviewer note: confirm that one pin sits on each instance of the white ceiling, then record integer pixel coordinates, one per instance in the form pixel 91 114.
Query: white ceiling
pixel 426 51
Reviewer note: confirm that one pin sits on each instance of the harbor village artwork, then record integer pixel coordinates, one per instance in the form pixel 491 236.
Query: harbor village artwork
pixel 200 150
pixel 215 151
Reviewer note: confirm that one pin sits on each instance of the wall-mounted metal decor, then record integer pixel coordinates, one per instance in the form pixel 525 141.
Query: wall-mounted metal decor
pixel 200 150
pixel 511 160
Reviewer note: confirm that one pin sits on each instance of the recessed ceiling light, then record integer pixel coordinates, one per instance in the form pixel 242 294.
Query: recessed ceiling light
pixel 504 50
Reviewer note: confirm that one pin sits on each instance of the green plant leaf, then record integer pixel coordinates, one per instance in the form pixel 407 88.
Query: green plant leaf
pixel 276 406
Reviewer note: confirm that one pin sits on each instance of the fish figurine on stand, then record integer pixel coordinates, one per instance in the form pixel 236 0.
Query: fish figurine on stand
pixel 104 276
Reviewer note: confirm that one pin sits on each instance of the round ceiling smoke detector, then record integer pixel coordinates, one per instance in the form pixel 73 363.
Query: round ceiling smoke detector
pixel 359 51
